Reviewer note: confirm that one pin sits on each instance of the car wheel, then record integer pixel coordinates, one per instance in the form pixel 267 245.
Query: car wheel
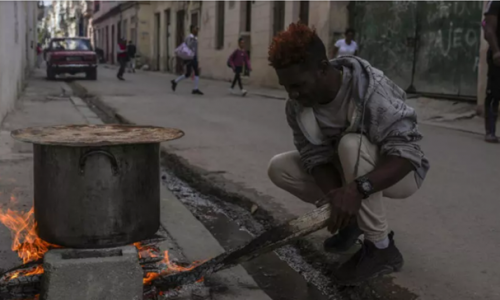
pixel 92 75
pixel 51 74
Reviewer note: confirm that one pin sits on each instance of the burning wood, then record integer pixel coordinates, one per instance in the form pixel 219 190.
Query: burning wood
pixel 24 282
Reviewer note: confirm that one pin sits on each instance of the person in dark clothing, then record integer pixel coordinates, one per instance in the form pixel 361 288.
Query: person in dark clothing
pixel 237 61
pixel 131 51
pixel 492 35
pixel 122 58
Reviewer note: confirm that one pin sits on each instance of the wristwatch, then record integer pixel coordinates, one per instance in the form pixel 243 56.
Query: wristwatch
pixel 365 187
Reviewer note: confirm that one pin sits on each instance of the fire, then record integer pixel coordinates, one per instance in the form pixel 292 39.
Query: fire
pixel 25 241
pixel 31 248
pixel 170 267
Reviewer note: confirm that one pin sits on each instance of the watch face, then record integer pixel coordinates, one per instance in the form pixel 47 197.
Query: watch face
pixel 366 186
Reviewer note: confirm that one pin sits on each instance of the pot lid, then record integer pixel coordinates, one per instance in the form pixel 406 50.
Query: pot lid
pixel 96 135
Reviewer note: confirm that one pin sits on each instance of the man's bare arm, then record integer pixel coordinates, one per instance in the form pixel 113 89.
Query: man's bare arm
pixel 389 171
pixel 490 35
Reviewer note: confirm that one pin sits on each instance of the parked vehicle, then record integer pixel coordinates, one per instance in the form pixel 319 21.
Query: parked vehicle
pixel 71 56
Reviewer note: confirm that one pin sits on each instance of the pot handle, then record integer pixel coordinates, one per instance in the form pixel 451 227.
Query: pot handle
pixel 112 159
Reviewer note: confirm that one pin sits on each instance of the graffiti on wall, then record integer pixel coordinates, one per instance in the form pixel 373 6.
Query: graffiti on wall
pixel 431 46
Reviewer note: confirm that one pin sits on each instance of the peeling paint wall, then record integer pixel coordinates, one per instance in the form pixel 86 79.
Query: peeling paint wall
pixel 324 15
pixel 18 36
pixel 138 20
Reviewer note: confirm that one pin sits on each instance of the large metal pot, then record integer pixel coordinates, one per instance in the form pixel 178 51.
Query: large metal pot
pixel 103 193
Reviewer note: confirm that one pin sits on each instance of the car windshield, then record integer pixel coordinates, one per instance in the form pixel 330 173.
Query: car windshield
pixel 71 44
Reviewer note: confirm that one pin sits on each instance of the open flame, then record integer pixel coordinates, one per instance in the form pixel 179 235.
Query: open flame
pixel 31 248
pixel 169 266
pixel 25 241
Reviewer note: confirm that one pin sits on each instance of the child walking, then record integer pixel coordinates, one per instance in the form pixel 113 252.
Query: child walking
pixel 237 61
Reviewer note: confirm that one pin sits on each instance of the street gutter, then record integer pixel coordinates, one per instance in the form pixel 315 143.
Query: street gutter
pixel 199 179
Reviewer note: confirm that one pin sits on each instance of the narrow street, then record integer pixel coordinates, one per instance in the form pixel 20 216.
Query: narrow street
pixel 447 232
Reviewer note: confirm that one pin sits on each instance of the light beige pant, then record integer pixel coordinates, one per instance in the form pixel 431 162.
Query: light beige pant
pixel 286 171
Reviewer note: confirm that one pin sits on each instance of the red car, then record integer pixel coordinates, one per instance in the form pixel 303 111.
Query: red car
pixel 71 56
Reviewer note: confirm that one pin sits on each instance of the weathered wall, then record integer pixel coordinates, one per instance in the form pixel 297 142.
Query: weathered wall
pixel 429 46
pixel 137 17
pixel 144 23
pixel 18 38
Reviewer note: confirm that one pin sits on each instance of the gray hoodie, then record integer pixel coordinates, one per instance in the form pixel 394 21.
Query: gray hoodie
pixel 377 110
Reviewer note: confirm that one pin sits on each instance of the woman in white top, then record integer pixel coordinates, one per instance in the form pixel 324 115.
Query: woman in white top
pixel 346 46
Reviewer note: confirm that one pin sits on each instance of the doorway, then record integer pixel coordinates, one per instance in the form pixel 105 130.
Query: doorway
pixel 167 40
pixel 181 14
pixel 157 41
pixel 113 42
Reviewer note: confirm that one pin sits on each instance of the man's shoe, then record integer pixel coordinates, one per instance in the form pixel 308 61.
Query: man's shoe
pixel 121 78
pixel 197 92
pixel 369 262
pixel 174 85
pixel 343 240
pixel 243 93
pixel 491 138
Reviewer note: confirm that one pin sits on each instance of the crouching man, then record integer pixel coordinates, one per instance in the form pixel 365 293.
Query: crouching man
pixel 356 143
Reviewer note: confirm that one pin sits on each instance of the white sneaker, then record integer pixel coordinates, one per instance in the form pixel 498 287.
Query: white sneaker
pixel 231 91
pixel 243 92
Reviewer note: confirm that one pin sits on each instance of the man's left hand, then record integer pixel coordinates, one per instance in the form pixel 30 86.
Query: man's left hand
pixel 345 203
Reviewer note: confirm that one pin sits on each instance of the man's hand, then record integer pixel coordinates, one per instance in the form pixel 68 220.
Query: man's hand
pixel 345 203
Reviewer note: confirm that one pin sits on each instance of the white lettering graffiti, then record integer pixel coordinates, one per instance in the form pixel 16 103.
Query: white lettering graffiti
pixel 476 64
pixel 457 37
pixel 453 38
pixel 471 37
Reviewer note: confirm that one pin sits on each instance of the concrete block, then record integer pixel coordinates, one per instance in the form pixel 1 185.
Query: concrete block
pixel 96 274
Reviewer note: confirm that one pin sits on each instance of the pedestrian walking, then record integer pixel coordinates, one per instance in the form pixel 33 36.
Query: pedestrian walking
pixel 39 55
pixel 237 61
pixel 346 46
pixel 122 58
pixel 131 51
pixel 188 52
pixel 491 103
pixel 356 142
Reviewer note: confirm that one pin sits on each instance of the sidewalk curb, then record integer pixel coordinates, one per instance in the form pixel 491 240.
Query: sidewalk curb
pixel 450 127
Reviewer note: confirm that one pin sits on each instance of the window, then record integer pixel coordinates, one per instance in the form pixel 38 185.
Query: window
pixel 304 12
pixel 71 44
pixel 194 19
pixel 220 25
pixel 97 6
pixel 278 16
pixel 125 31
pixel 248 16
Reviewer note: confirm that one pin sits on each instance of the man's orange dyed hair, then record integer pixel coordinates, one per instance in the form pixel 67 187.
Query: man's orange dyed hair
pixel 295 45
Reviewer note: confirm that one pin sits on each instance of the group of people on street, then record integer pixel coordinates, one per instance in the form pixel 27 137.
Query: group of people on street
pixel 125 57
pixel 239 60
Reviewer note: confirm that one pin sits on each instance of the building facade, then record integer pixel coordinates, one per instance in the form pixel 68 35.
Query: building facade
pixel 130 20
pixel 222 23
pixel 18 33
pixel 426 47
